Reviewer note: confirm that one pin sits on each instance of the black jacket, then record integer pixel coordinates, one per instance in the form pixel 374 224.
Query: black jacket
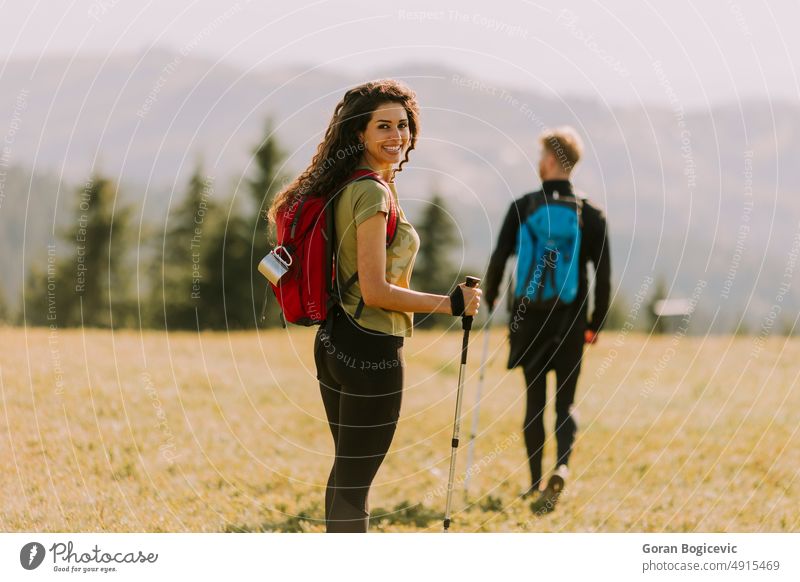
pixel 594 248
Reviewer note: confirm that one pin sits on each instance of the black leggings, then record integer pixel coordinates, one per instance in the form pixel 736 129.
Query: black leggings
pixel 360 375
pixel 565 359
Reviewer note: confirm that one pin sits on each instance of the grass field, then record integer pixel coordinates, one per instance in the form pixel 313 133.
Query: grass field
pixel 225 432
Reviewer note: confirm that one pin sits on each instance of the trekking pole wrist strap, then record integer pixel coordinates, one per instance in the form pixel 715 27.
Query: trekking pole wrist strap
pixel 457 302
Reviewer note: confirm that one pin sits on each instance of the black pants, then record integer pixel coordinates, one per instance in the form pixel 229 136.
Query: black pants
pixel 360 374
pixel 562 352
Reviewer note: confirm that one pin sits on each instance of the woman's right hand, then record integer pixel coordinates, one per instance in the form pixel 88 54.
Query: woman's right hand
pixel 472 299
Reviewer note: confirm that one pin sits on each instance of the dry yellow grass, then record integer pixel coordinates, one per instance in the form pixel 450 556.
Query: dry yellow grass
pixel 225 432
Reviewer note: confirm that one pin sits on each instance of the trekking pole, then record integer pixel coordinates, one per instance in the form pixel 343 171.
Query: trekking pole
pixel 476 413
pixel 466 325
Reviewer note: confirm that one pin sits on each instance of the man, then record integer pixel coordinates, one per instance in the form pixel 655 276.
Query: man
pixel 551 338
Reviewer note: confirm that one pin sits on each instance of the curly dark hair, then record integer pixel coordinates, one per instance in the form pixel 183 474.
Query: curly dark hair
pixel 339 153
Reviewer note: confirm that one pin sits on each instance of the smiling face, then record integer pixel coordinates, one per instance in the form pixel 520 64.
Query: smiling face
pixel 386 137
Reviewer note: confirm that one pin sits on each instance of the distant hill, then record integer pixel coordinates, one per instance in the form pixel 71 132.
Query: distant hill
pixel 697 195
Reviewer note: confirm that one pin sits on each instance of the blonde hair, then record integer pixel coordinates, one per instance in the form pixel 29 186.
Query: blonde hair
pixel 565 144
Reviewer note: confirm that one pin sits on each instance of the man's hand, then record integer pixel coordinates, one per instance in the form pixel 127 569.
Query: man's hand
pixel 590 337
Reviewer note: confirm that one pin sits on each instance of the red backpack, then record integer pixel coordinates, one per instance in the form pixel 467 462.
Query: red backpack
pixel 308 289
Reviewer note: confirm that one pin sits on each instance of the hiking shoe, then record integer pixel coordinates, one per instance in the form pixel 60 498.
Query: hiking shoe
pixel 547 500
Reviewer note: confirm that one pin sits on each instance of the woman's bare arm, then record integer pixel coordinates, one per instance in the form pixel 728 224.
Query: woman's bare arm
pixel 376 290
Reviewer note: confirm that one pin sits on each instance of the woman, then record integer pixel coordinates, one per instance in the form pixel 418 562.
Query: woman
pixel 360 363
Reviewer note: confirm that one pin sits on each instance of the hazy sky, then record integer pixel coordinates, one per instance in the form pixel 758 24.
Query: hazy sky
pixel 621 52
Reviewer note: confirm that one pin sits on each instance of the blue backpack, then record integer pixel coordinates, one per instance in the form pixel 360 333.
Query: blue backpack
pixel 548 252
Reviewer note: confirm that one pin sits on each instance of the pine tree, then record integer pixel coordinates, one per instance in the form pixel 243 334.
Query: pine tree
pixel 40 307
pixel 100 267
pixel 263 187
pixel 179 279
pixel 433 269
pixel 266 183
pixel 241 243
pixel 227 294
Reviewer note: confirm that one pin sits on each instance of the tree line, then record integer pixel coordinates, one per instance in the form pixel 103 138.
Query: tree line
pixel 197 270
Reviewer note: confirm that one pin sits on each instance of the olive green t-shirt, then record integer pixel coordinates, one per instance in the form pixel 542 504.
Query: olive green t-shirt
pixel 359 201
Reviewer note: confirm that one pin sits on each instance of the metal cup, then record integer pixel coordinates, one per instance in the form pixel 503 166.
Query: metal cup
pixel 274 266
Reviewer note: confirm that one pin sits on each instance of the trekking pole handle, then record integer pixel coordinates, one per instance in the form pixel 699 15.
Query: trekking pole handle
pixel 466 321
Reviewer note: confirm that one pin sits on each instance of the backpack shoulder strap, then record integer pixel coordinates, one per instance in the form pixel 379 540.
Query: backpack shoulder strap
pixel 537 199
pixel 391 226
pixel 534 200
pixel 392 218
pixel 580 198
